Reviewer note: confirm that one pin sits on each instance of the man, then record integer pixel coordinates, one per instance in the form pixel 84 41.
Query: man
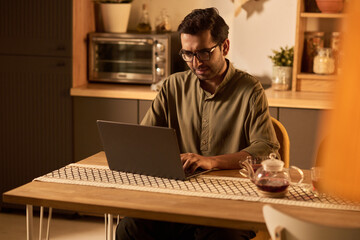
pixel 220 115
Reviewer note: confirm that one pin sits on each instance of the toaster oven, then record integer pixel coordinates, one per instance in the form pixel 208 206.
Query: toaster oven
pixel 132 57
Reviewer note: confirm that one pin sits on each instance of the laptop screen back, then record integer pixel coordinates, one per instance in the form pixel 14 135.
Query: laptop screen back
pixel 141 149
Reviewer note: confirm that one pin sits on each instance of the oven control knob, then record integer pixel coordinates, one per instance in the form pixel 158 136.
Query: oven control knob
pixel 160 47
pixel 159 71
pixel 159 59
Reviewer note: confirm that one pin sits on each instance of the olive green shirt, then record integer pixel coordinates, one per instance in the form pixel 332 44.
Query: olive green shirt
pixel 234 118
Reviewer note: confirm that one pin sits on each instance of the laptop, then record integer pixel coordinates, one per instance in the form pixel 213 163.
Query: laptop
pixel 147 150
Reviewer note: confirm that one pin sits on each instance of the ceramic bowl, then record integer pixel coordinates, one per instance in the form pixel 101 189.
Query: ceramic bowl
pixel 330 6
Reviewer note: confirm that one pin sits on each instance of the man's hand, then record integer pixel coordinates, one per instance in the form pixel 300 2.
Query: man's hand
pixel 192 161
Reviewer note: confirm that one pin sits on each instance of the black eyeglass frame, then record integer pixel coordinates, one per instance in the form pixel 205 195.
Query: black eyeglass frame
pixel 205 50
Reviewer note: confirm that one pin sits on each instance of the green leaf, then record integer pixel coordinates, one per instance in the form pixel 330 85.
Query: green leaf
pixel 284 57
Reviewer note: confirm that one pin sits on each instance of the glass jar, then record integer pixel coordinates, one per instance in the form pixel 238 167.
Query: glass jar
pixel 163 22
pixel 324 63
pixel 313 42
pixel 335 43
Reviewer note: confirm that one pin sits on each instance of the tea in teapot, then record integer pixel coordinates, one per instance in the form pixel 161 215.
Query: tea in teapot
pixel 271 179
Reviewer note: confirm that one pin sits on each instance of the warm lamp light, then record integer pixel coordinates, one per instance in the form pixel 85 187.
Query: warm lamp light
pixel 340 158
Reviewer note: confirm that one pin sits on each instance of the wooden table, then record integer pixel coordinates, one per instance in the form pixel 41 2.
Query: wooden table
pixel 168 207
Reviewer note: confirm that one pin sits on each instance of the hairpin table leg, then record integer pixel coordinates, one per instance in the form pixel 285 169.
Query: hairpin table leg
pixel 41 222
pixel 110 227
pixel 29 222
pixel 106 227
pixel 48 225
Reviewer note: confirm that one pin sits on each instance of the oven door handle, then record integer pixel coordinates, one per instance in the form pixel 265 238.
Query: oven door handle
pixel 148 41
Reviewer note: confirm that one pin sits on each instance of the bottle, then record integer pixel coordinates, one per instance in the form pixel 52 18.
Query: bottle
pixel 144 22
pixel 162 22
pixel 324 63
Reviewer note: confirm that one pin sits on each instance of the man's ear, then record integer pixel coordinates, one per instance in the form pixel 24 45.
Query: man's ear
pixel 226 47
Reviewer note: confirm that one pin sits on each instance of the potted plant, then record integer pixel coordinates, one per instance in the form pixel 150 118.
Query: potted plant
pixel 114 14
pixel 282 68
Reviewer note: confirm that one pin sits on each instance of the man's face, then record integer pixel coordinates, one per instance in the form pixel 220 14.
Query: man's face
pixel 212 68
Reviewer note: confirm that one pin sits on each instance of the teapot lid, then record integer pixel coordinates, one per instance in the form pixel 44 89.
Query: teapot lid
pixel 272 164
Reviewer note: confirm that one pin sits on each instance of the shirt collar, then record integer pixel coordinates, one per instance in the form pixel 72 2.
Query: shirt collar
pixel 230 71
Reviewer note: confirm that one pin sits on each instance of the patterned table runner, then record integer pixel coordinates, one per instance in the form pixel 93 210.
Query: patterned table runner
pixel 201 186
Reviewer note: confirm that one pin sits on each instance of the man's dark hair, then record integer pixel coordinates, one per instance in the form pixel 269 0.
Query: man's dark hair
pixel 205 19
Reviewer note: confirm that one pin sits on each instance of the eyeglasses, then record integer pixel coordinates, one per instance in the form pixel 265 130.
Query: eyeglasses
pixel 201 55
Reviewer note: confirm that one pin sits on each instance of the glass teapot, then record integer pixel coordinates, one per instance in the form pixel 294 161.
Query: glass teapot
pixel 271 179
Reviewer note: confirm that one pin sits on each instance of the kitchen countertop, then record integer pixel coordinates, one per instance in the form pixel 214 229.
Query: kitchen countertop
pixel 288 99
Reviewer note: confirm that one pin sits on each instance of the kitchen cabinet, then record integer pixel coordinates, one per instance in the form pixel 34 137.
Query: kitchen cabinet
pixel 302 126
pixel 144 106
pixel 36 27
pixel 302 123
pixel 309 22
pixel 274 112
pixel 88 110
pixel 35 78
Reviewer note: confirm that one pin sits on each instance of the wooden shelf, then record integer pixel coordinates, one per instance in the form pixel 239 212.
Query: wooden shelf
pixel 312 22
pixel 317 76
pixel 321 15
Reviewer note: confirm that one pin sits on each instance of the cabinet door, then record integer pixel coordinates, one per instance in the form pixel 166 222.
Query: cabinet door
pixel 144 106
pixel 302 126
pixel 35 118
pixel 274 112
pixel 36 27
pixel 87 111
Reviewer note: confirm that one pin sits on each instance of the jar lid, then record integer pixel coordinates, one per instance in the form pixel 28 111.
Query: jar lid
pixel 325 52
pixel 272 164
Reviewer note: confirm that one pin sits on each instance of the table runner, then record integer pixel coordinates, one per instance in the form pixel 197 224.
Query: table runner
pixel 201 186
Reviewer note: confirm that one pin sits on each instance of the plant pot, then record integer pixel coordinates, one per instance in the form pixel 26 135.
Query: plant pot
pixel 282 77
pixel 115 16
pixel 330 6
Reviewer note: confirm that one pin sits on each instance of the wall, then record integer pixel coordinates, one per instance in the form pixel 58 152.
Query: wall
pixel 261 26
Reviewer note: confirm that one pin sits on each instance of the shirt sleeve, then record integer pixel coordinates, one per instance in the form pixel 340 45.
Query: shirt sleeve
pixel 262 136
pixel 157 113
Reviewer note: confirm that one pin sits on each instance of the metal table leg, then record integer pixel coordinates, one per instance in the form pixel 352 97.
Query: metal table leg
pixel 109 226
pixel 106 226
pixel 48 225
pixel 41 222
pixel 29 222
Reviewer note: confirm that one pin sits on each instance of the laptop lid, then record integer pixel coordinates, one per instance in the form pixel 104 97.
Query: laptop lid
pixel 147 150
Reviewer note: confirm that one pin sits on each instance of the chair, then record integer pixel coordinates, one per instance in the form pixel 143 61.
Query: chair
pixel 284 141
pixel 285 227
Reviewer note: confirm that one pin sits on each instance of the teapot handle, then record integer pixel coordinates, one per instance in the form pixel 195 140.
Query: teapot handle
pixel 244 173
pixel 300 172
pixel 246 170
